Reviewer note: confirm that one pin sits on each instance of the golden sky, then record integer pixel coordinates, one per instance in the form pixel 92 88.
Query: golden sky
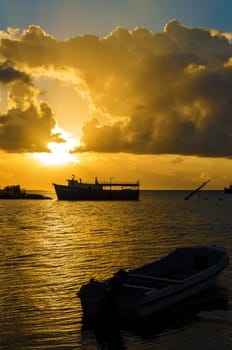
pixel 134 104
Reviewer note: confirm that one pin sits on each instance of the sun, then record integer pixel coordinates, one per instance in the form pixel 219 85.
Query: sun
pixel 60 152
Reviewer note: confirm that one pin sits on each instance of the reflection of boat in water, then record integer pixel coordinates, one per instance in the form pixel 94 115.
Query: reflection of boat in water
pixel 15 192
pixel 78 190
pixel 155 287
pixel 228 189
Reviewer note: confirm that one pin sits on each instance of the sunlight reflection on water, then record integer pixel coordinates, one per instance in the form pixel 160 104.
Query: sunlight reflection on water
pixel 50 248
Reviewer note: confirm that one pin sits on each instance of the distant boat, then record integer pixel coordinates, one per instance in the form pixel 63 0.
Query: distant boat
pixel 15 192
pixel 76 190
pixel 228 189
pixel 154 287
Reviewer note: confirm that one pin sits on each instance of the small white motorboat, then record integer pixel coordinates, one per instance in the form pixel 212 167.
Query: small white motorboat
pixel 156 286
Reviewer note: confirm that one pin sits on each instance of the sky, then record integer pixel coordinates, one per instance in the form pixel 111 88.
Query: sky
pixel 130 90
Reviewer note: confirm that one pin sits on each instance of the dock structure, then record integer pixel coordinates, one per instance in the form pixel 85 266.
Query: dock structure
pixel 196 190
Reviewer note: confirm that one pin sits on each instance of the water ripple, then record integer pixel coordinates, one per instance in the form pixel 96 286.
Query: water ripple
pixel 50 248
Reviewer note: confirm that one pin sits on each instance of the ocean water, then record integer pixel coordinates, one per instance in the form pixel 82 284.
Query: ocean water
pixel 50 248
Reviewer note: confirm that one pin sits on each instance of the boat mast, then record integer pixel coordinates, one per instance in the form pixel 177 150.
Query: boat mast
pixel 196 190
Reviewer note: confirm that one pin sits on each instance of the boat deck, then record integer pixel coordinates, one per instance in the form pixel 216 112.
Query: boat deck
pixel 159 282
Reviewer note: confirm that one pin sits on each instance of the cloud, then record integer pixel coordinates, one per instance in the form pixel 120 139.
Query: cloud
pixel 27 123
pixel 160 93
pixel 26 130
pixel 8 74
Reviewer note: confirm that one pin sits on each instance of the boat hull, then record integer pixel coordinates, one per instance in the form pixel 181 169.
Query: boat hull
pixel 144 310
pixel 227 190
pixel 146 295
pixel 80 194
pixel 92 307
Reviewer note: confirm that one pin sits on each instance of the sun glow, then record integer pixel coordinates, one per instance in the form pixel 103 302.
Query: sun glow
pixel 60 152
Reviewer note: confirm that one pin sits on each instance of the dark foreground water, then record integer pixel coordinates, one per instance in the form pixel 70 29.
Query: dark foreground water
pixel 50 248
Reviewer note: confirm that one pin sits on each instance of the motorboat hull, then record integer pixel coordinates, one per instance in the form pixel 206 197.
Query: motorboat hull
pixel 141 295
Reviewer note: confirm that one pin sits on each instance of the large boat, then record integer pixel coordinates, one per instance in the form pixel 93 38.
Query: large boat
pixel 155 287
pixel 77 190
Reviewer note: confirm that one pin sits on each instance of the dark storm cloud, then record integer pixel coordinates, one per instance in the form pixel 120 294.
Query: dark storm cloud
pixel 26 125
pixel 8 74
pixel 26 130
pixel 163 93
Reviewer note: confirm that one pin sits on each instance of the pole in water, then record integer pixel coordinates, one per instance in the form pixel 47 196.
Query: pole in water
pixel 196 190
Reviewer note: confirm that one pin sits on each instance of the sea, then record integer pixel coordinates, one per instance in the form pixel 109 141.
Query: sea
pixel 50 248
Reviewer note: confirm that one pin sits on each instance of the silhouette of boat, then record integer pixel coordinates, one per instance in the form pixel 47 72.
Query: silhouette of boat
pixel 155 287
pixel 15 192
pixel 228 189
pixel 77 190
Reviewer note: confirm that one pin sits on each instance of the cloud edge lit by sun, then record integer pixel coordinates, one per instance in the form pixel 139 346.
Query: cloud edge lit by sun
pixel 61 153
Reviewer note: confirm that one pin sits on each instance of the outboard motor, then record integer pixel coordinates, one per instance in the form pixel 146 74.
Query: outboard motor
pixel 114 287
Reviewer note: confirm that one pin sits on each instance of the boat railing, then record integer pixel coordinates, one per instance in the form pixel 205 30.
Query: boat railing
pixel 119 183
